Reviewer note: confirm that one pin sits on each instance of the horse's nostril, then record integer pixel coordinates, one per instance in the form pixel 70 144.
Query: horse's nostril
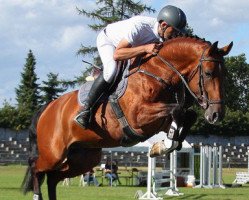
pixel 215 116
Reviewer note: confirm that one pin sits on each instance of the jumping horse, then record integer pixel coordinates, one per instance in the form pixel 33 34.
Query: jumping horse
pixel 59 148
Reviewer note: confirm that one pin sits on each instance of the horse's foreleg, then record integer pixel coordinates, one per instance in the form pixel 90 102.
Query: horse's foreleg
pixel 187 121
pixel 53 179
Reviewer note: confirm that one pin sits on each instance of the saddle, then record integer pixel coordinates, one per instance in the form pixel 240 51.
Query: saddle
pixel 117 89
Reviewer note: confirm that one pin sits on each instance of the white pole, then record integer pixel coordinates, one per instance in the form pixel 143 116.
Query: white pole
pixel 201 165
pixel 209 165
pixel 171 170
pixel 149 195
pixel 149 176
pixel 248 161
pixel 111 169
pixel 220 165
pixel 174 170
pixel 214 165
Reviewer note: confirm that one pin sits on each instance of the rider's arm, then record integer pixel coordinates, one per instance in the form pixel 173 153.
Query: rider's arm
pixel 125 51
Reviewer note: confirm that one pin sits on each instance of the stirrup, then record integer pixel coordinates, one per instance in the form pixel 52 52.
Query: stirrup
pixel 83 119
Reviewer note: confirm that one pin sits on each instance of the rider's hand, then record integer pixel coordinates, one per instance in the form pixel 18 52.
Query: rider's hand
pixel 153 48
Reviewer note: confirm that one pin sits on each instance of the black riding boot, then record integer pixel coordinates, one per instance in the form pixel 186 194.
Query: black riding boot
pixel 97 90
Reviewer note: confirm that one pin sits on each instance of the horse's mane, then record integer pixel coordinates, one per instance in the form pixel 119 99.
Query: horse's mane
pixel 173 39
pixel 188 36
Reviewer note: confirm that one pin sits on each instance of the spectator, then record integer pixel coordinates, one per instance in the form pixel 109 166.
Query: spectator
pixel 111 171
pixel 90 177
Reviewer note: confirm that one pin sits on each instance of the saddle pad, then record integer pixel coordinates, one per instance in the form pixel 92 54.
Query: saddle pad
pixel 118 93
pixel 83 92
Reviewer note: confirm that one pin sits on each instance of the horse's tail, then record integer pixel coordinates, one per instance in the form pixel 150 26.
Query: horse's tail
pixel 27 183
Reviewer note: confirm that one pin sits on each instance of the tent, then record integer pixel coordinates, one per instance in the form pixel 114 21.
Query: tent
pixel 186 147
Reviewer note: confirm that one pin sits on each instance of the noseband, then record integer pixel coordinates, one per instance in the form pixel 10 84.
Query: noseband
pixel 202 98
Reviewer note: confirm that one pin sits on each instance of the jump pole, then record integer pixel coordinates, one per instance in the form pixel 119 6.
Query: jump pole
pixel 173 191
pixel 210 164
pixel 149 195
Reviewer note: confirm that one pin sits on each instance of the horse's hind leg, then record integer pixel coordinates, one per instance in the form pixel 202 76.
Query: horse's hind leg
pixel 33 180
pixel 79 161
pixel 37 178
pixel 37 186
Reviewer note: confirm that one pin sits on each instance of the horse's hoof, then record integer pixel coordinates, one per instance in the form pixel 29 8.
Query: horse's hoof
pixel 157 149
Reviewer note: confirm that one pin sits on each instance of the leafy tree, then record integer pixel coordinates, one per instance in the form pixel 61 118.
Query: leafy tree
pixel 27 95
pixel 8 115
pixel 234 123
pixel 51 88
pixel 237 96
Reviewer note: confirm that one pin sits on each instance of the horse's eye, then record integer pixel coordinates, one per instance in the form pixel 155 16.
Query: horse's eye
pixel 208 74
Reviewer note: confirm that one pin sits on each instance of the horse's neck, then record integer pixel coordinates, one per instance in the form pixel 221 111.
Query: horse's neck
pixel 147 101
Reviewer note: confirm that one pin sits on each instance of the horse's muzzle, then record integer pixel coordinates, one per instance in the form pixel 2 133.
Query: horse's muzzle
pixel 214 113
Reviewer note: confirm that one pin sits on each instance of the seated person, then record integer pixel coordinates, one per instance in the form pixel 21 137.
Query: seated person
pixel 90 177
pixel 111 169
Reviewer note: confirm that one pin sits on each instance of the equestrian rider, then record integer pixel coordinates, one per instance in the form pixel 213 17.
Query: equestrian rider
pixel 125 40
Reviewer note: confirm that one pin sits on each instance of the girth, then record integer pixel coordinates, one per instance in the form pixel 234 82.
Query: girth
pixel 130 137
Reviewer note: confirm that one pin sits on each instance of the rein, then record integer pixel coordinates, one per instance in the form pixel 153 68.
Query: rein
pixel 202 99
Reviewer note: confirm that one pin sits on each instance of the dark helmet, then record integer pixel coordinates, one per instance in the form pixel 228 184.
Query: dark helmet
pixel 173 16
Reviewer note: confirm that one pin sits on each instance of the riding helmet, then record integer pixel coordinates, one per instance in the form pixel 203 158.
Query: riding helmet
pixel 173 16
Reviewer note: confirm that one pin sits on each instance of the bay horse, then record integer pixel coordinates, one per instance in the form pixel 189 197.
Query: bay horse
pixel 60 149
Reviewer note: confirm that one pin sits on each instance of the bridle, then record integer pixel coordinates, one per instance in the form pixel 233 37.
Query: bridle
pixel 202 98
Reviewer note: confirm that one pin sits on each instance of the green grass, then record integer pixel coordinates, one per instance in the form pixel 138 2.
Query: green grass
pixel 12 176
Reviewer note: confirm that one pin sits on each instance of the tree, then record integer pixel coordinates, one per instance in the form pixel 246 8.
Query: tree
pixel 237 83
pixel 8 115
pixel 27 95
pixel 51 88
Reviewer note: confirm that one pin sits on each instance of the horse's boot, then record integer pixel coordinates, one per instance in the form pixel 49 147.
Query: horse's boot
pixel 97 90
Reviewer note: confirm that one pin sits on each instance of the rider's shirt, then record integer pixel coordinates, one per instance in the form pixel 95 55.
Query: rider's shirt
pixel 137 31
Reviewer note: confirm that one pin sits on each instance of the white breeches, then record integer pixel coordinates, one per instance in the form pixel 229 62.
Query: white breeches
pixel 106 50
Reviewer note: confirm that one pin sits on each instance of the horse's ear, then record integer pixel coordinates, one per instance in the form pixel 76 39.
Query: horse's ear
pixel 225 50
pixel 213 49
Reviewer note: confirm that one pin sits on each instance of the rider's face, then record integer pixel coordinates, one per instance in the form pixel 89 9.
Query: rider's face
pixel 170 31
pixel 166 31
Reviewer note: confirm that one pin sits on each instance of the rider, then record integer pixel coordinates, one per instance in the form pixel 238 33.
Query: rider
pixel 127 39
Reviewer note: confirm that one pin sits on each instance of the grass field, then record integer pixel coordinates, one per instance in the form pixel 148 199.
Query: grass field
pixel 12 176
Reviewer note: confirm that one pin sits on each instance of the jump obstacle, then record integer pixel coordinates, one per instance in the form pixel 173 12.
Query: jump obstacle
pixel 154 182
pixel 210 167
pixel 242 177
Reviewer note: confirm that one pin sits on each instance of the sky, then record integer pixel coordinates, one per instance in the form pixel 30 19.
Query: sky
pixel 54 31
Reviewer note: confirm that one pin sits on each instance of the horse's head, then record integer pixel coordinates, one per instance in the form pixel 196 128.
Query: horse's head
pixel 200 66
pixel 206 81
